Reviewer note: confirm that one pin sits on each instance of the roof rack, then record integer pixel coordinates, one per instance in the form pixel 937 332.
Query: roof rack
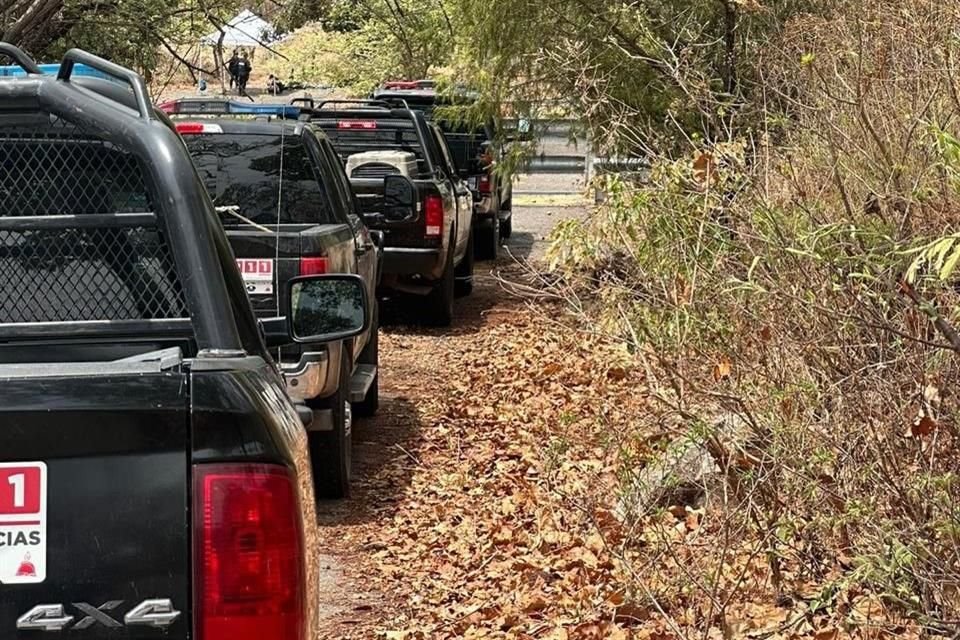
pixel 224 107
pixel 392 103
pixel 23 61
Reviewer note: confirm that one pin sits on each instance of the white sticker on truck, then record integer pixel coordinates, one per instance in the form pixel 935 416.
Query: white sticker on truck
pixel 23 522
pixel 257 275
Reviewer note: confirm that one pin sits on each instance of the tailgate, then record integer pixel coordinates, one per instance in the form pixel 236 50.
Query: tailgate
pixel 94 506
pixel 266 267
pixel 409 233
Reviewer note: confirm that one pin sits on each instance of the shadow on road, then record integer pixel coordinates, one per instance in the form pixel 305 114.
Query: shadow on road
pixel 519 245
pixel 401 314
pixel 385 455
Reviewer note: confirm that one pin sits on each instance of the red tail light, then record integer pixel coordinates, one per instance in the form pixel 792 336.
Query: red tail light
pixel 196 128
pixel 248 553
pixel 485 184
pixel 313 266
pixel 357 124
pixel 434 215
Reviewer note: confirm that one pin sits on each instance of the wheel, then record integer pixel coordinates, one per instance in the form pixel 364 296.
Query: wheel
pixel 440 301
pixel 331 451
pixel 371 355
pixel 464 271
pixel 506 227
pixel 488 241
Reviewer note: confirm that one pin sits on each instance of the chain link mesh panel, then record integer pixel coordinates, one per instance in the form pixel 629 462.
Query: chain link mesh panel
pixel 113 271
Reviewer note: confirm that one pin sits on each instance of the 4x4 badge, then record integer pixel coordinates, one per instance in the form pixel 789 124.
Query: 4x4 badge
pixel 155 612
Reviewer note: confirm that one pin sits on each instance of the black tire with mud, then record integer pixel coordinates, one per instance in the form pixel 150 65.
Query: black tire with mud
pixel 506 227
pixel 439 302
pixel 371 355
pixel 487 243
pixel 464 271
pixel 331 452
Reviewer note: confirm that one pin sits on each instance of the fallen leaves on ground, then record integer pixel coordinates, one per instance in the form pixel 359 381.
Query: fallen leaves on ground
pixel 493 514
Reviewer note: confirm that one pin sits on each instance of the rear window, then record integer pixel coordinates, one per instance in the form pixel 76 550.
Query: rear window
pixel 348 142
pixel 245 171
pixel 464 143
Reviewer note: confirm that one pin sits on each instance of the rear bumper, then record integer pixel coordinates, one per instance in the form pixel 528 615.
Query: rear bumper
pixel 485 210
pixel 399 261
pixel 310 377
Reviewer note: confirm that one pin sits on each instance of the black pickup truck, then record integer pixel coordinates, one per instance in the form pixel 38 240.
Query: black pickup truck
pixel 155 478
pixel 404 176
pixel 476 150
pixel 288 210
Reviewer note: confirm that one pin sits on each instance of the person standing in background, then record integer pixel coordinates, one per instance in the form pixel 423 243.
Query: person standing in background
pixel 232 68
pixel 243 73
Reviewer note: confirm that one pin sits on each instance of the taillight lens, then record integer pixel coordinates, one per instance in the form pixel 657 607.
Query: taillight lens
pixel 197 128
pixel 433 207
pixel 313 266
pixel 357 124
pixel 248 553
pixel 485 184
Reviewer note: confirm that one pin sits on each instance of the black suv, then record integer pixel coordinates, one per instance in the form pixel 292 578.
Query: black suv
pixel 475 151
pixel 155 476
pixel 289 211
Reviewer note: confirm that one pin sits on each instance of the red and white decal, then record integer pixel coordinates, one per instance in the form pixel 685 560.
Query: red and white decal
pixel 257 275
pixel 23 522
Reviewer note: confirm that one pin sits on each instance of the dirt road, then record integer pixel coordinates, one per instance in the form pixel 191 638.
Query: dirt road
pixel 401 456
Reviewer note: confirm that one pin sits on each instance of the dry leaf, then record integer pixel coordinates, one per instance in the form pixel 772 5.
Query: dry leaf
pixel 722 370
pixel 830 633
pixel 703 168
pixel 617 373
pixel 923 427
pixel 551 369
pixel 631 613
pixel 535 605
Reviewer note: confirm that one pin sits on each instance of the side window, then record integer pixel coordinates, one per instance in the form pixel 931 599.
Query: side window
pixel 441 143
pixel 339 176
pixel 330 175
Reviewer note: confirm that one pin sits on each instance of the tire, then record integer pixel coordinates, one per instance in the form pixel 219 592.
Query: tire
pixel 331 452
pixel 464 271
pixel 440 301
pixel 506 227
pixel 371 355
pixel 488 241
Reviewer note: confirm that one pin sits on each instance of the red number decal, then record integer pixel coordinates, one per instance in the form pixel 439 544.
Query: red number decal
pixel 19 490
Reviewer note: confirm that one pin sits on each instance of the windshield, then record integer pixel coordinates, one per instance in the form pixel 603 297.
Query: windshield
pixel 244 171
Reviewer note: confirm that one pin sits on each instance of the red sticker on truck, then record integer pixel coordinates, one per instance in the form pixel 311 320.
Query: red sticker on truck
pixel 257 275
pixel 23 522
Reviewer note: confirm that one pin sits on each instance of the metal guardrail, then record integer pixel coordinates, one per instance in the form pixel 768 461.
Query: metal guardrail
pixel 588 165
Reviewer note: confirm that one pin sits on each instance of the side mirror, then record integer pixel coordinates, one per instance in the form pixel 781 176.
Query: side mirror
pixel 399 198
pixel 327 308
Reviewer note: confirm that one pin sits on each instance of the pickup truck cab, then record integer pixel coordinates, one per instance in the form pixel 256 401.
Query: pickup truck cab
pixel 289 211
pixel 408 188
pixel 476 150
pixel 155 477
